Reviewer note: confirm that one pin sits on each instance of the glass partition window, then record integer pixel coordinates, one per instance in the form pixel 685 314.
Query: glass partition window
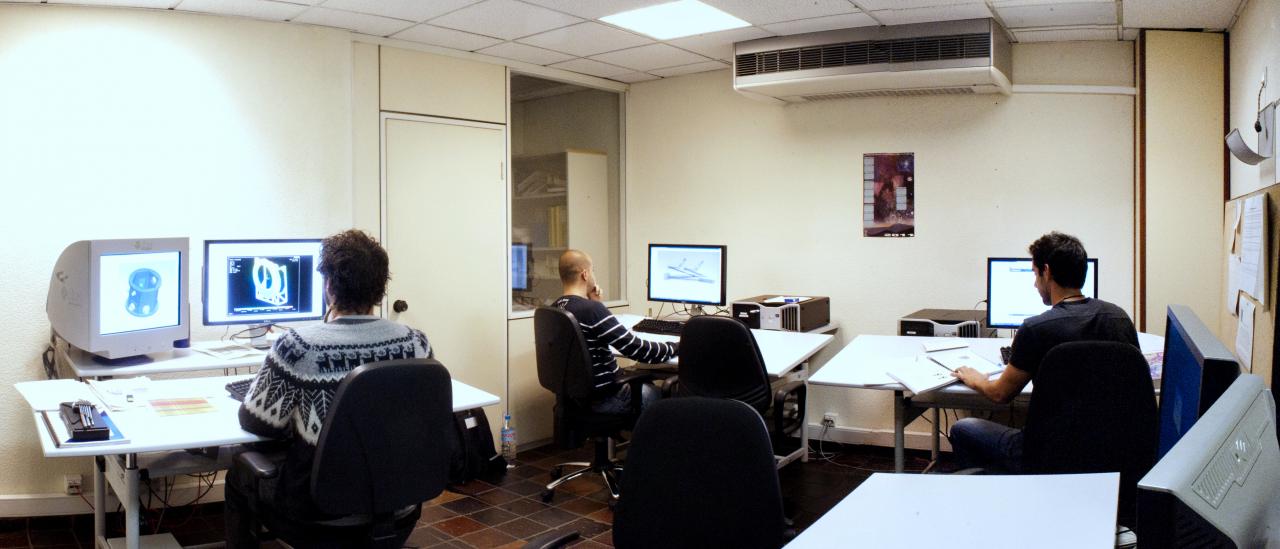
pixel 565 186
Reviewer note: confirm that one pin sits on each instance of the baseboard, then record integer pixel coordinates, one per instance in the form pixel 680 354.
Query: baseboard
pixel 43 505
pixel 915 440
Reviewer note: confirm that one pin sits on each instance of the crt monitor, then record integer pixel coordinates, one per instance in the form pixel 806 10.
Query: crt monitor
pixel 521 281
pixel 1217 486
pixel 686 273
pixel 1197 369
pixel 121 298
pixel 262 281
pixel 1011 292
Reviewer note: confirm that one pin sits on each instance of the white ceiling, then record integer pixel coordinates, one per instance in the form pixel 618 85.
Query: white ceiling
pixel 567 34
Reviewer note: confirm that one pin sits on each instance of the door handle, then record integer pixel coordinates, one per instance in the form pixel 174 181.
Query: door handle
pixel 399 306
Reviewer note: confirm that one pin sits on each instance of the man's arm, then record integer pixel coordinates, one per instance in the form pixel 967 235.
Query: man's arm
pixel 614 334
pixel 1002 389
pixel 268 405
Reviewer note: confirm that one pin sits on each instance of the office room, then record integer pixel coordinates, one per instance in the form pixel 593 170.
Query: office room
pixel 476 141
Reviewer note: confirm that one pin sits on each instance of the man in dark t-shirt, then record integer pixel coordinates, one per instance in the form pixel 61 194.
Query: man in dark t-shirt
pixel 1059 262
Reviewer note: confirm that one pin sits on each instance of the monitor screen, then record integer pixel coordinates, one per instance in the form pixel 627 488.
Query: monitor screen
pixel 520 267
pixel 259 281
pixel 139 291
pixel 1011 292
pixel 684 273
pixel 1197 369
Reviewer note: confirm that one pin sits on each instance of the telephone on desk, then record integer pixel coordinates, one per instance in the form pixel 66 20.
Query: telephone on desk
pixel 82 420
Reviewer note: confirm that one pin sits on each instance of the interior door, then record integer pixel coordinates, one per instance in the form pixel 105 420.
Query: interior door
pixel 444 226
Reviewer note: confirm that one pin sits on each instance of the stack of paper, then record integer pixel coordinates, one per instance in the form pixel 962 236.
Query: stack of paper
pixel 954 359
pixel 934 369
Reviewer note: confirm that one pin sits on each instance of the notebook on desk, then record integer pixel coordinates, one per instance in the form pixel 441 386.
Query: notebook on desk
pixel 933 370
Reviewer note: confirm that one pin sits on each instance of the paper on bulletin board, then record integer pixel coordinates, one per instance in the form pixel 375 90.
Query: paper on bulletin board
pixel 1253 248
pixel 1244 335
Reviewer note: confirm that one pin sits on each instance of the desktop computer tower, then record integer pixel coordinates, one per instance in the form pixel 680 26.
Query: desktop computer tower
pixel 778 312
pixel 945 323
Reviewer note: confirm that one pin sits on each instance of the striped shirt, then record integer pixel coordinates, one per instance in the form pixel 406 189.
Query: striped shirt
pixel 602 331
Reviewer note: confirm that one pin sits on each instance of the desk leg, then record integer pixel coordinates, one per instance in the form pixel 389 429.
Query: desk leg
pixel 899 432
pixel 99 500
pixel 132 510
pixel 937 427
pixel 804 415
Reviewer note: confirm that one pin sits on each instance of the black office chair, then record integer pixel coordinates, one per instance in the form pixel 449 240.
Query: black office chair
pixel 719 358
pixel 700 473
pixel 564 368
pixel 384 449
pixel 1093 410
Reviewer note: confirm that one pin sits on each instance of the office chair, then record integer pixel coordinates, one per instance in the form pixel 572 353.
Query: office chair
pixel 1093 410
pixel 564 368
pixel 700 473
pixel 719 358
pixel 384 449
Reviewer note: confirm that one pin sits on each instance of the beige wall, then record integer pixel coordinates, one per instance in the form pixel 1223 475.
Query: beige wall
pixel 1255 49
pixel 781 186
pixel 128 123
pixel 1184 186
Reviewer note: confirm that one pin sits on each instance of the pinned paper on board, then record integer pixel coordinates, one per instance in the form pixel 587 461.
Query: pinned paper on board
pixel 1244 335
pixel 1247 263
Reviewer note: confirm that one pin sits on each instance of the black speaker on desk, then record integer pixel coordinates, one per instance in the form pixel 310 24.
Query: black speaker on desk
pixel 945 323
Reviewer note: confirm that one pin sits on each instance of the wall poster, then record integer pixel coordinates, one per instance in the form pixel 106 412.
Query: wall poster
pixel 889 194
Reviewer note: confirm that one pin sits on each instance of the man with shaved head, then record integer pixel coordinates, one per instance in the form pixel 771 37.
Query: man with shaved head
pixel 583 298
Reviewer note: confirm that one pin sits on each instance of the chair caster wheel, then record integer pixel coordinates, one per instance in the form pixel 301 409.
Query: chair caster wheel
pixel 557 472
pixel 547 495
pixel 613 505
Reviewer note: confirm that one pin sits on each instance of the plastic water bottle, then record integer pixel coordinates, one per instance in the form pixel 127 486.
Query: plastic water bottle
pixel 508 441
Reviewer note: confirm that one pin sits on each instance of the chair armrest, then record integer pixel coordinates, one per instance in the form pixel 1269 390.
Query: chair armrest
pixel 636 380
pixel 258 464
pixel 780 397
pixel 553 539
pixel 780 393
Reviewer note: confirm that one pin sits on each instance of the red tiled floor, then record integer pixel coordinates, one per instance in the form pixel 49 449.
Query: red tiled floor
pixel 459 526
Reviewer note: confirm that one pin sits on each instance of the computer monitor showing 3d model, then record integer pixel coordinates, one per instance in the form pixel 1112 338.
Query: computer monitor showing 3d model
pixel 1011 292
pixel 520 279
pixel 684 273
pixel 121 298
pixel 1197 369
pixel 262 281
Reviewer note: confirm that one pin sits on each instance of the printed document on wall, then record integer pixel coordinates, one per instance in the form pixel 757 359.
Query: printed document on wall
pixel 1244 335
pixel 1254 248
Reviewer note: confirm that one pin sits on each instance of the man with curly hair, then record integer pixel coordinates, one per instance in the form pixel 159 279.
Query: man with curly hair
pixel 291 393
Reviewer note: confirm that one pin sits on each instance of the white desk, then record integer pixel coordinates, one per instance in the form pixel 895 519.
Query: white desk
pixel 147 431
pixel 860 365
pixel 785 354
pixel 177 360
pixel 977 511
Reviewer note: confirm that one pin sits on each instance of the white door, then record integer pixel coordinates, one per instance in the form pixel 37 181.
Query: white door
pixel 444 226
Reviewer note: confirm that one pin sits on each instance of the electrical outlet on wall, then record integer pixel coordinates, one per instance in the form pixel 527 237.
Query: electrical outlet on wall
pixel 830 419
pixel 73 483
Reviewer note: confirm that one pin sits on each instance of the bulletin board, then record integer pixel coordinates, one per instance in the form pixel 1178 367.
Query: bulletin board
pixel 1264 328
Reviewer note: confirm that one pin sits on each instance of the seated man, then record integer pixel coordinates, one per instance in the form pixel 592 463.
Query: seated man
pixel 291 394
pixel 1059 262
pixel 583 298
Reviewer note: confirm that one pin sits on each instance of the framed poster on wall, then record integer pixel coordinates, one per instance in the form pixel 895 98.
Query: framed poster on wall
pixel 888 195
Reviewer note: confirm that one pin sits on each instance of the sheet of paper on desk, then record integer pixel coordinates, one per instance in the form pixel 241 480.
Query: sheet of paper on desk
pixel 942 344
pixel 123 393
pixel 181 406
pixel 47 394
pixel 957 358
pixel 920 376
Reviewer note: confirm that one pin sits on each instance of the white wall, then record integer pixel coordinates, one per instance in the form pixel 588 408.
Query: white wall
pixel 129 123
pixel 781 186
pixel 1254 49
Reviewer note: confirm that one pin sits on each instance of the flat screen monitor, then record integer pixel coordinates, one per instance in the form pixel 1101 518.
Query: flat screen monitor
pixel 1011 292
pixel 121 298
pixel 687 273
pixel 262 281
pixel 1197 369
pixel 520 279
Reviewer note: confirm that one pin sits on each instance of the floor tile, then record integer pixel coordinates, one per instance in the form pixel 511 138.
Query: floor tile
pixel 435 513
pixel 492 516
pixel 605 538
pixel 525 487
pixel 465 505
pixel 459 526
pixel 445 497
pixel 426 535
pixel 524 506
pixel 553 517
pixel 498 496
pixel 523 528
pixel 581 506
pixel 487 539
pixel 588 528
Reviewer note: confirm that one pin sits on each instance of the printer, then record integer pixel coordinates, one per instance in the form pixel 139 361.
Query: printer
pixel 946 323
pixel 783 312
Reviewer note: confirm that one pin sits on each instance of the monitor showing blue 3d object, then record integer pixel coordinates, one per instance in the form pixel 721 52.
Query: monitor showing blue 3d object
pixel 262 281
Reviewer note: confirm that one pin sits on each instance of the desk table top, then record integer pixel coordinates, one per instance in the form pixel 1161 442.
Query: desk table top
pixel 782 351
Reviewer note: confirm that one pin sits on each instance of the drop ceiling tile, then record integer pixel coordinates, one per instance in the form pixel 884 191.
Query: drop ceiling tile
pixel 448 38
pixel 411 10
pixel 257 9
pixel 1067 34
pixel 633 77
pixel 359 22
pixel 690 69
pixel 586 39
pixel 653 56
pixel 528 54
pixel 1057 15
pixel 932 14
pixel 595 9
pixel 153 4
pixel 874 5
pixel 1179 14
pixel 758 12
pixel 719 45
pixel 505 19
pixel 818 24
pixel 591 67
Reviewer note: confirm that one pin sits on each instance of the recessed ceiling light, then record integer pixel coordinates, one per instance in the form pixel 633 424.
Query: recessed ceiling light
pixel 675 19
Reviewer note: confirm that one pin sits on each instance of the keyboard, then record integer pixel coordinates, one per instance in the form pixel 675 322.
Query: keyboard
pixel 239 389
pixel 664 327
pixel 1005 353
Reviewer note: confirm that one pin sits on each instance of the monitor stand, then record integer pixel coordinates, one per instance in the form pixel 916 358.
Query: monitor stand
pixel 123 361
pixel 695 310
pixel 260 341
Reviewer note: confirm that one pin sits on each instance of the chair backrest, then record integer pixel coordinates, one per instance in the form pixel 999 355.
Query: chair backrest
pixel 719 358
pixel 564 363
pixel 700 473
pixel 387 439
pixel 1093 410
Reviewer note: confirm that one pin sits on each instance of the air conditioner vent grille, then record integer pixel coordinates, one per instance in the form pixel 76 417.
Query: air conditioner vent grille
pixel 963 90
pixel 909 50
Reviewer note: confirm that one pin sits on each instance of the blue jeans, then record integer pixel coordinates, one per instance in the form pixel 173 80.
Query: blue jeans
pixel 620 402
pixel 987 444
